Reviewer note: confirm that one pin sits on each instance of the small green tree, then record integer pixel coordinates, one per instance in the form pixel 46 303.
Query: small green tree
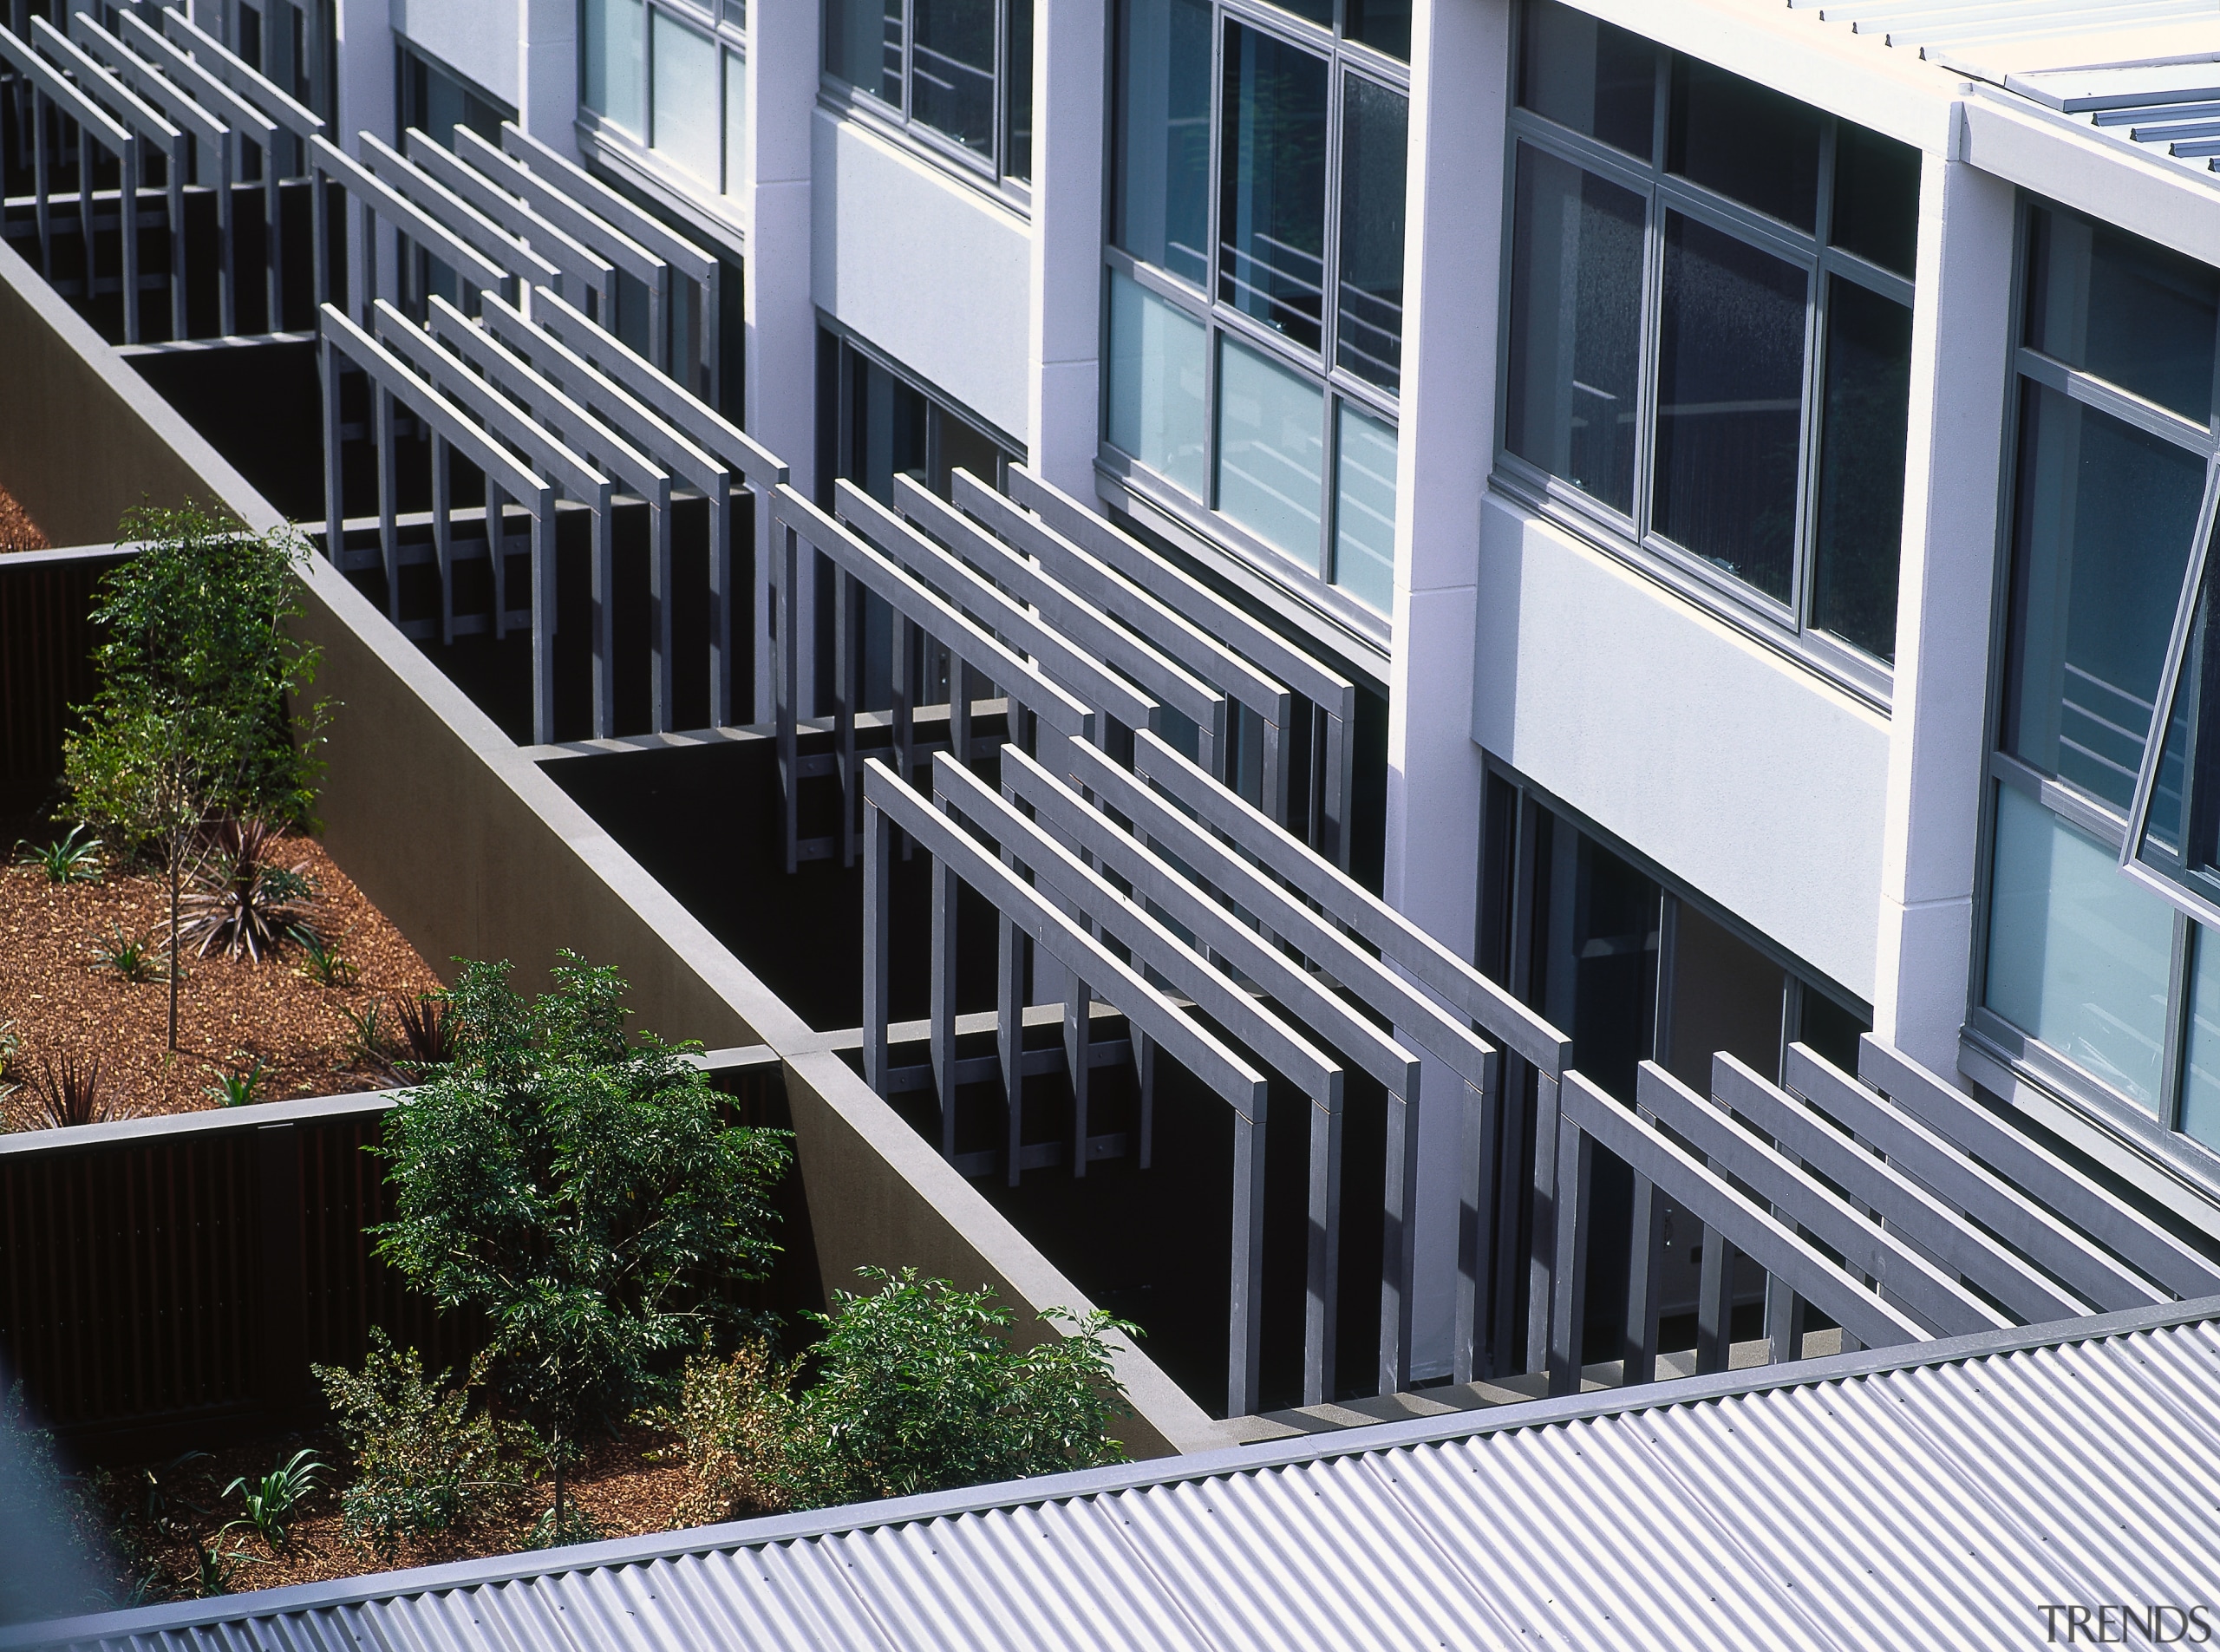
pixel 582 1192
pixel 199 714
pixel 919 1387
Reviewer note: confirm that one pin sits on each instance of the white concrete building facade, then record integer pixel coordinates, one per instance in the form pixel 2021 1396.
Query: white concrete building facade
pixel 1754 462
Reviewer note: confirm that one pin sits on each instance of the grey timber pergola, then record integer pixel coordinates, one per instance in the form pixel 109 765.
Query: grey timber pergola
pixel 546 176
pixel 890 804
pixel 1899 1206
pixel 1141 571
pixel 397 381
pixel 921 616
pixel 696 444
pixel 109 120
pixel 134 91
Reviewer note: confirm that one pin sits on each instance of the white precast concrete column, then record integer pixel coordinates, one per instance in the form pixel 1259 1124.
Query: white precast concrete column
pixel 366 104
pixel 782 320
pixel 1446 441
pixel 1961 362
pixel 1061 366
pixel 547 72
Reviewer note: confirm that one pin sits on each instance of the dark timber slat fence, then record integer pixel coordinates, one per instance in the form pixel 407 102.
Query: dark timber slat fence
pixel 167 1280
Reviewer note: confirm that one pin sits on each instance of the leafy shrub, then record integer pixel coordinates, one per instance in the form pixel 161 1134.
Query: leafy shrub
pixel 735 1421
pixel 243 903
pixel 424 1460
pixel 581 1192
pixel 75 858
pixel 132 957
pixel 273 1500
pixel 918 1388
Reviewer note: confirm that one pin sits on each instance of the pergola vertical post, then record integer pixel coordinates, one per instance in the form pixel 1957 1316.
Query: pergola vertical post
pixel 605 661
pixel 878 913
pixel 543 618
pixel 443 533
pixel 1010 973
pixel 942 1012
pixel 1244 1318
pixel 388 489
pixel 1322 1261
pixel 1568 1294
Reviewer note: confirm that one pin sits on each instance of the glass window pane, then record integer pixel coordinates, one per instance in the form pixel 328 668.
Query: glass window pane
pixel 863 45
pixel 1875 211
pixel 1158 362
pixel 1576 326
pixel 1862 436
pixel 1160 206
pixel 1018 162
pixel 2125 309
pixel 1384 25
pixel 2077 954
pixel 1594 78
pixel 1318 11
pixel 2201 1057
pixel 952 70
pixel 615 42
pixel 1364 509
pixel 1730 387
pixel 1272 192
pixel 1270 451
pixel 736 130
pixel 2104 518
pixel 687 99
pixel 1375 136
pixel 1746 141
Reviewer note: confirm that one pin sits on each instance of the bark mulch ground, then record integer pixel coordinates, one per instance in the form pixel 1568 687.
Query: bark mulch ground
pixel 623 1491
pixel 17 531
pixel 230 1013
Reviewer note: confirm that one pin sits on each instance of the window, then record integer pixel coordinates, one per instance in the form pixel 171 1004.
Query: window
pixel 1254 311
pixel 435 99
pixel 1709 330
pixel 960 71
pixel 879 423
pixel 662 75
pixel 2095 978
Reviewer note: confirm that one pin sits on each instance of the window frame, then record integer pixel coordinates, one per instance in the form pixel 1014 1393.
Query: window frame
pixel 1313 584
pixel 728 39
pixel 1986 1035
pixel 1787 626
pixel 845 98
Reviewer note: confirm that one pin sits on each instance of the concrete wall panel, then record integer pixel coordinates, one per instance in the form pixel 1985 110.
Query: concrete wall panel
pixel 924 267
pixel 1735 770
pixel 480 40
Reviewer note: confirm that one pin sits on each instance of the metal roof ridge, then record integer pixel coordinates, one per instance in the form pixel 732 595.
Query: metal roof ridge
pixel 980 1499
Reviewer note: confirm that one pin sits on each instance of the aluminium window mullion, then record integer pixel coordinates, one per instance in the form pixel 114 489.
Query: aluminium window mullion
pixel 1330 259
pixel 1214 194
pixel 1651 333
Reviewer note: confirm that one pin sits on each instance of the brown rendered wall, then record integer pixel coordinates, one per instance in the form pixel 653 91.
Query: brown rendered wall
pixel 79 446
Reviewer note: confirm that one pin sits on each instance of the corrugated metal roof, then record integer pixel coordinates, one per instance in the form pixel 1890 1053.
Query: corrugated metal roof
pixel 1862 1502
